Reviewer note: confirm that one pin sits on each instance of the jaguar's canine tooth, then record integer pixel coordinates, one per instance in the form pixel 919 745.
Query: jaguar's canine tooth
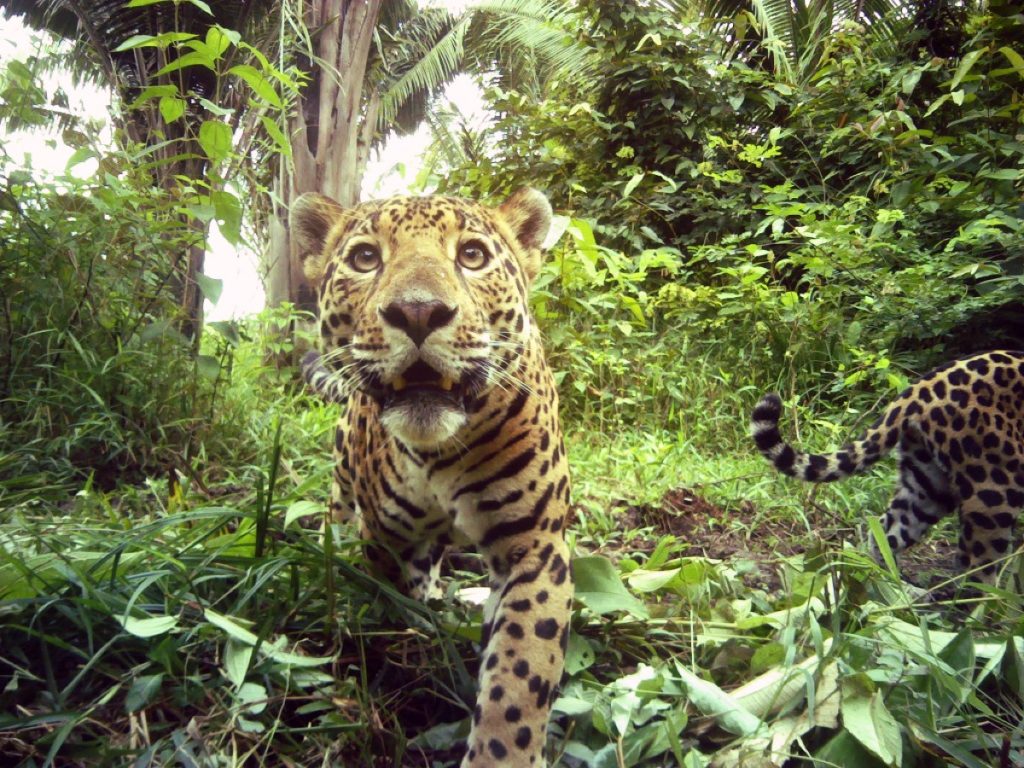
pixel 447 384
pixel 398 384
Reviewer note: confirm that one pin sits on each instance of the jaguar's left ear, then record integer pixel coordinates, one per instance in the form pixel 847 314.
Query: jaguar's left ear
pixel 528 214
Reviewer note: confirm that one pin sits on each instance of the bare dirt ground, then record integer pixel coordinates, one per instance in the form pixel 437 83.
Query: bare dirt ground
pixel 708 530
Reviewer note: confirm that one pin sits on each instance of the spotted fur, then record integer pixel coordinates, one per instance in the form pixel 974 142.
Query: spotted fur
pixel 451 434
pixel 960 435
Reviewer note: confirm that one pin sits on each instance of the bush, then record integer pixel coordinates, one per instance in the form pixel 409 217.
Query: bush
pixel 95 377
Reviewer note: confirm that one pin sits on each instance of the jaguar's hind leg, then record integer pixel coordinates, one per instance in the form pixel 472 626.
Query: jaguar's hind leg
pixel 922 498
pixel 986 528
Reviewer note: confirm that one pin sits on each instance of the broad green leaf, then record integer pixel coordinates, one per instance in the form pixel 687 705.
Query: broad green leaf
pixel 301 508
pixel 154 92
pixel 218 40
pixel 844 751
pixel 632 184
pixel 289 659
pixel 215 139
pixel 866 717
pixel 171 108
pixel 642 580
pixel 142 691
pixel 600 589
pixel 228 329
pixel 259 84
pixel 713 701
pixel 579 655
pixel 237 657
pixel 1015 59
pixel 965 67
pixel 252 698
pixel 230 626
pixel 573 706
pixel 150 41
pixel 150 627
pixel 210 286
pixel 1003 174
pixel 191 59
pixel 228 211
pixel 80 156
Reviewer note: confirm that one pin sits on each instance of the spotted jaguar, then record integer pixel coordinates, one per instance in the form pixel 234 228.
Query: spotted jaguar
pixel 450 435
pixel 959 431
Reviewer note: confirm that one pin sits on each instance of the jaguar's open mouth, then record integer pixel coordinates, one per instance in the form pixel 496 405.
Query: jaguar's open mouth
pixel 421 385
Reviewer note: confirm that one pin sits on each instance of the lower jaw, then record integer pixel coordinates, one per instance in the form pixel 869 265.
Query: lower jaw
pixel 423 424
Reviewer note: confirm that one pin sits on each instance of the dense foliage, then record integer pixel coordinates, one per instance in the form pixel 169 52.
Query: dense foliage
pixel 866 214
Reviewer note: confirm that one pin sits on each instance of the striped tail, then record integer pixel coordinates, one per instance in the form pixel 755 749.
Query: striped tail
pixel 320 380
pixel 853 458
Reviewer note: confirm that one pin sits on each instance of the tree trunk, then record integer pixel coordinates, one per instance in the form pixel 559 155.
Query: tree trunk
pixel 330 134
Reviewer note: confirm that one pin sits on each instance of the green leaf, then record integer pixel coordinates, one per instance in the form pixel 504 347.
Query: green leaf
pixel 301 508
pixel 252 698
pixel 149 627
pixel 844 751
pixel 171 108
pixel 713 701
pixel 154 92
pixel 965 67
pixel 259 84
pixel 600 589
pixel 632 184
pixel 230 626
pixel 142 691
pixel 191 59
pixel 153 41
pixel 237 657
pixel 277 136
pixel 228 329
pixel 210 286
pixel 215 139
pixel 228 211
pixel 643 580
pixel 1003 174
pixel 80 156
pixel 218 40
pixel 579 655
pixel 866 717
pixel 1015 59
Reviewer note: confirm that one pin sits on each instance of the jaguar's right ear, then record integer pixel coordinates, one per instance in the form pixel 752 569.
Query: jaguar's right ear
pixel 311 218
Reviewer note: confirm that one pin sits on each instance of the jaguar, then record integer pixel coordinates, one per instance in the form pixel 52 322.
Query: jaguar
pixel 450 433
pixel 959 432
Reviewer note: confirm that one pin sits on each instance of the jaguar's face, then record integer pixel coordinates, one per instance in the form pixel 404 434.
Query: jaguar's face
pixel 423 300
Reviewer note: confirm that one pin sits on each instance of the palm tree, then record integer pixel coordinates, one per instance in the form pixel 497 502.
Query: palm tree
pixel 374 67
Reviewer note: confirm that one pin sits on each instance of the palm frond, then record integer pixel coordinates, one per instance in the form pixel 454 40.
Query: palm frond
pixel 426 67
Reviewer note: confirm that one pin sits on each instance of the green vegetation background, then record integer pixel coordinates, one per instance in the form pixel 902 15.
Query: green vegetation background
pixel 828 229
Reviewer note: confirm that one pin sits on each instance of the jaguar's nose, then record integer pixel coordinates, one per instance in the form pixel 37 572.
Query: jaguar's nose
pixel 418 319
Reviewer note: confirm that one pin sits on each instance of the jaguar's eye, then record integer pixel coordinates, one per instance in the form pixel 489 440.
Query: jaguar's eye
pixel 364 257
pixel 473 255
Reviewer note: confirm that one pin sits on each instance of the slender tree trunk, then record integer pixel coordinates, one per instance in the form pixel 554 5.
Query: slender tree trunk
pixel 330 133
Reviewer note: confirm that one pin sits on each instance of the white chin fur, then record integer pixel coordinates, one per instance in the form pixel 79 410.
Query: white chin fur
pixel 422 427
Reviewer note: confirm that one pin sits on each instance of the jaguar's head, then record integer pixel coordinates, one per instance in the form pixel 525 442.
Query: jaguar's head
pixel 423 300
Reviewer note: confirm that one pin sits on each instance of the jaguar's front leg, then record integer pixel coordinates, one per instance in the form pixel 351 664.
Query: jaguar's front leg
pixel 526 631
